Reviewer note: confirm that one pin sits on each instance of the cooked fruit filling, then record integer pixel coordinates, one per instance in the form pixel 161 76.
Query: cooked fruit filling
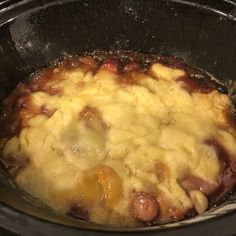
pixel 121 138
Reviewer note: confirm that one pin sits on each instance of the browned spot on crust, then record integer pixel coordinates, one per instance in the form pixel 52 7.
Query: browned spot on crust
pixel 127 79
pixel 78 210
pixel 161 171
pixel 54 91
pixel 130 78
pixel 93 119
pixel 80 85
pixel 14 165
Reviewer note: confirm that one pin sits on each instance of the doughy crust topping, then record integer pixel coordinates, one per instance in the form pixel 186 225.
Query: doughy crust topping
pixel 121 138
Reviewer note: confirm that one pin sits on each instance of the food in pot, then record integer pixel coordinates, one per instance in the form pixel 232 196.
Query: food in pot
pixel 121 138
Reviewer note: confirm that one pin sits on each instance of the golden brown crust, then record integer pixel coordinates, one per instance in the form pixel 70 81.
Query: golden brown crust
pixel 99 183
pixel 128 64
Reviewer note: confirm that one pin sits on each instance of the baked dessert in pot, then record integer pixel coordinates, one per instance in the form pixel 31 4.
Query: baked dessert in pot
pixel 121 138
